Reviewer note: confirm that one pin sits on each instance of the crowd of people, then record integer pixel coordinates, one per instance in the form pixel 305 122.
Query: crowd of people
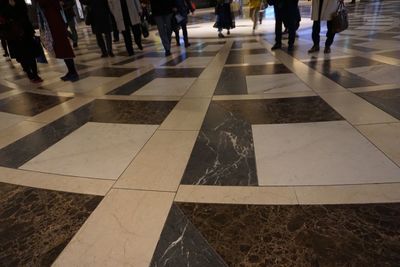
pixel 109 18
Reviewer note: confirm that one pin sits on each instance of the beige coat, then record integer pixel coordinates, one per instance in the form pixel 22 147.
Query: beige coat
pixel 134 9
pixel 329 8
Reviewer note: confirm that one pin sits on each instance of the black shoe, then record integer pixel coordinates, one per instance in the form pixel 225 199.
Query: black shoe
pixel 75 45
pixel 104 55
pixel 313 49
pixel 327 50
pixel 290 48
pixel 73 77
pixel 276 46
pixel 140 47
pixel 178 44
pixel 187 45
pixel 167 53
pixel 116 40
pixel 111 54
pixel 6 55
pixel 220 35
pixel 229 32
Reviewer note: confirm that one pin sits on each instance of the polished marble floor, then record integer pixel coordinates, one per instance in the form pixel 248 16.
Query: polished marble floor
pixel 223 154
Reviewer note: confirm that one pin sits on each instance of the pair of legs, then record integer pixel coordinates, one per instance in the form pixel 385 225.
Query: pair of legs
pixel 165 31
pixel 115 29
pixel 220 35
pixel 4 45
pixel 330 35
pixel 137 34
pixel 280 14
pixel 185 34
pixel 106 47
pixel 30 67
pixel 254 12
pixel 72 34
pixel 72 74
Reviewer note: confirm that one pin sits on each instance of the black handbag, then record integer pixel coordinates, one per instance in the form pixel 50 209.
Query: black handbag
pixel 144 26
pixel 340 21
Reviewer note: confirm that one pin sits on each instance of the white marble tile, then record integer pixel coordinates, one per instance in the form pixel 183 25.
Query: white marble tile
pixel 276 83
pixel 188 114
pixel 202 88
pixel 381 44
pixel 49 181
pixel 252 46
pixel 212 48
pixel 195 62
pixel 259 59
pixel 152 61
pixel 161 162
pixel 252 195
pixel 85 85
pixel 264 96
pixel 97 150
pixel 166 87
pixel 323 153
pixel 17 131
pixel 122 231
pixel 8 120
pixel 380 74
pixel 386 137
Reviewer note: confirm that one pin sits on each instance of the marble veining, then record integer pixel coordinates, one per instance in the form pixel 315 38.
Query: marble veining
pixel 36 224
pixel 320 235
pixel 387 100
pixel 182 245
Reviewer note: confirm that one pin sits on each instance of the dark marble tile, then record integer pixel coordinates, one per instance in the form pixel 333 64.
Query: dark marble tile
pixel 132 112
pixel 184 56
pixel 237 56
pixel 320 235
pixel 224 151
pixel 106 111
pixel 233 79
pixel 393 54
pixel 134 85
pixel 272 111
pixel 4 88
pixel 30 104
pixel 387 100
pixel 181 245
pixel 37 224
pixel 239 44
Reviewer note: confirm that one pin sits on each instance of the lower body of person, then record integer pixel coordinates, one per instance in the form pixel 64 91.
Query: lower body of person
pixel 29 66
pixel 282 15
pixel 106 47
pixel 182 25
pixel 165 31
pixel 254 12
pixel 114 29
pixel 72 34
pixel 4 45
pixel 137 35
pixel 224 21
pixel 330 34
pixel 72 74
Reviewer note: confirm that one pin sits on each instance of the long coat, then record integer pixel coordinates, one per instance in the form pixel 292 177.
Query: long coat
pixel 329 7
pixel 58 29
pixel 100 15
pixel 134 8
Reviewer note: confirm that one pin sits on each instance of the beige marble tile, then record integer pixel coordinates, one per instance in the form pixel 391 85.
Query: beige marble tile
pixel 166 86
pixel 349 194
pixel 195 62
pixel 355 109
pixel 161 162
pixel 322 153
pixel 212 48
pixel 256 195
pixel 380 74
pixel 55 182
pixel 259 59
pixel 264 96
pixel 84 85
pixel 188 114
pixel 8 120
pixel 17 131
pixel 386 137
pixel 122 231
pixel 96 150
pixel 374 88
pixel 202 88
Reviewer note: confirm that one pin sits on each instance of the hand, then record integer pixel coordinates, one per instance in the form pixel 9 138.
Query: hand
pixel 11 2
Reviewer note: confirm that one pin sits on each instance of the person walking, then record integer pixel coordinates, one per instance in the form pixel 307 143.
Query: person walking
pixel 162 11
pixel 323 10
pixel 286 11
pixel 18 31
pixel 68 7
pixel 183 8
pixel 127 17
pixel 255 6
pixel 101 23
pixel 224 18
pixel 51 10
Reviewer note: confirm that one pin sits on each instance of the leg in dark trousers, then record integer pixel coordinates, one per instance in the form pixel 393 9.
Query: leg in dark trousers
pixel 30 67
pixel 185 34
pixel 128 41
pixel 316 28
pixel 177 37
pixel 72 74
pixel 101 44
pixel 115 29
pixel 109 44
pixel 330 34
pixel 291 26
pixel 165 31
pixel 4 45
pixel 137 34
pixel 278 27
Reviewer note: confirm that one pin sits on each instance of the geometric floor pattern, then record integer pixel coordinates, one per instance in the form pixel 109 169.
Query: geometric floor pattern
pixel 225 153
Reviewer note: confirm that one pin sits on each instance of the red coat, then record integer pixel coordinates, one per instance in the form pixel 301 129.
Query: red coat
pixel 58 28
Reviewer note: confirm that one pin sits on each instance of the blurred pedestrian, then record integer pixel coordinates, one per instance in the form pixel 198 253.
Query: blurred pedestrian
pixel 182 9
pixel 68 7
pixel 162 12
pixel 224 17
pixel 255 6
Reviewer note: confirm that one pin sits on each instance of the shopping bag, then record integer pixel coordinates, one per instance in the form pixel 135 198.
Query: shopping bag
pixel 340 20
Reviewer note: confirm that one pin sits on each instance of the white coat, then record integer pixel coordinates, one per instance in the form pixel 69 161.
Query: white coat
pixel 134 9
pixel 329 7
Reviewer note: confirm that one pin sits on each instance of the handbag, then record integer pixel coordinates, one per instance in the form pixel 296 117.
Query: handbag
pixel 340 20
pixel 144 26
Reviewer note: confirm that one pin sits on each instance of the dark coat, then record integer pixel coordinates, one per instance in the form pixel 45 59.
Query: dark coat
pixel 100 15
pixel 224 16
pixel 58 28
pixel 184 7
pixel 20 40
pixel 161 7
